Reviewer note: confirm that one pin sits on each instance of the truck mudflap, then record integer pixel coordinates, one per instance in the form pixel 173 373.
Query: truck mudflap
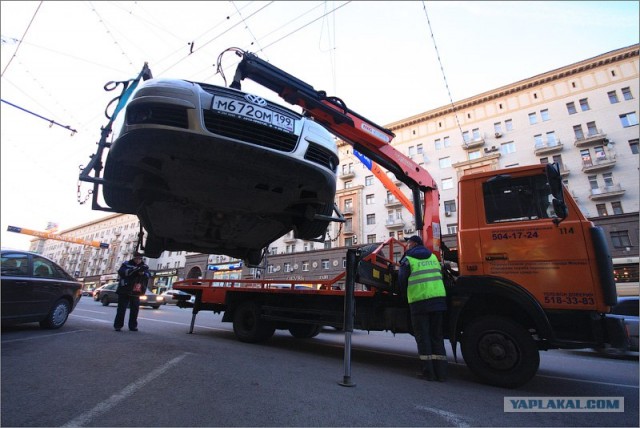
pixel 604 263
pixel 616 332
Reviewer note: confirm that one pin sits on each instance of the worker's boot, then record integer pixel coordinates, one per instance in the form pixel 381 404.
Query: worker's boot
pixel 440 366
pixel 427 370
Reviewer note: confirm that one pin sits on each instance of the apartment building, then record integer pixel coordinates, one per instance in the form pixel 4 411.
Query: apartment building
pixel 583 116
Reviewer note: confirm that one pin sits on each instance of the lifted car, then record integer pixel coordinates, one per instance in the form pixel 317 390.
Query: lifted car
pixel 215 170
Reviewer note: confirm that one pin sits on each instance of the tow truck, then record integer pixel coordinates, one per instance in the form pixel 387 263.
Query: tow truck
pixel 532 272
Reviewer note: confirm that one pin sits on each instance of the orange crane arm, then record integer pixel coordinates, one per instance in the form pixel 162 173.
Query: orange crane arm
pixel 49 235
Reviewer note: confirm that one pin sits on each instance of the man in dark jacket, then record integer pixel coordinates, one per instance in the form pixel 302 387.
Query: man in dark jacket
pixel 420 277
pixel 131 273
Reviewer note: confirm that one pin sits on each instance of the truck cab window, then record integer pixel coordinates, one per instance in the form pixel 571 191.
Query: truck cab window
pixel 517 199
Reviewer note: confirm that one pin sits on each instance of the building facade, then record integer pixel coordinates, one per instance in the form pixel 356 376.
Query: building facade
pixel 584 116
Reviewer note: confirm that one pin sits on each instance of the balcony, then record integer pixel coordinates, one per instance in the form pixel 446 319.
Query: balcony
pixel 547 147
pixel 472 144
pixel 392 202
pixel 394 223
pixel 594 138
pixel 346 175
pixel 347 211
pixel 606 192
pixel 601 163
pixel 348 230
pixel 289 238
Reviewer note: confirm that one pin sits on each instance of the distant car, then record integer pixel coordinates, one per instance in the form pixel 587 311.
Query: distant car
pixel 246 170
pixel 96 292
pixel 171 299
pixel 627 309
pixel 108 295
pixel 36 289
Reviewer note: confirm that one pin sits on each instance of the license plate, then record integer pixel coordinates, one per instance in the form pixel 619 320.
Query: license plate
pixel 251 112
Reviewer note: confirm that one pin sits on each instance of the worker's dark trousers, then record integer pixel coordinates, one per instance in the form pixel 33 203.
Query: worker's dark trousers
pixel 133 303
pixel 427 330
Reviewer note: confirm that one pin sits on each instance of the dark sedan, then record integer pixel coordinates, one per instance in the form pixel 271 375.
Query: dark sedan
pixel 107 295
pixel 35 289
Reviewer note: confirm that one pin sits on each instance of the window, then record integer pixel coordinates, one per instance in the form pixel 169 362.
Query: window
pixel 592 129
pixel 412 151
pixel 371 239
pixel 593 182
pixel 620 238
pixel 533 119
pixel 447 183
pixel 544 114
pixel 347 168
pixel 465 136
pixel 617 208
pixel 629 119
pixel 600 154
pixel 608 179
pixel 626 94
pixel 497 127
pixel 475 134
pixel 602 209
pixel 571 108
pixel 325 263
pixel 305 266
pixel 370 199
pixel 371 219
pixel 584 104
pixel 516 199
pixel 507 148
pixel 613 97
pixel 348 225
pixel 445 162
pixel 348 242
pixel 15 265
pixel 447 142
pixel 287 267
pixel 348 205
pixel 551 139
pixel 419 149
pixel 508 124
pixel 633 144
pixel 474 155
pixel 368 180
pixel 438 144
pixel 450 206
pixel 577 130
pixel 348 184
pixel 537 139
pixel 452 229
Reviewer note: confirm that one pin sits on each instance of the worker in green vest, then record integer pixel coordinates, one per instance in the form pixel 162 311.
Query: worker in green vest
pixel 420 277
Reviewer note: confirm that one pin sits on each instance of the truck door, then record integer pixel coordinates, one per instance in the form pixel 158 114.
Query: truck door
pixel 520 241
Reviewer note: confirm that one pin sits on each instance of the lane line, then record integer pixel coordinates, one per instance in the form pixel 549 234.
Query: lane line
pixel 42 337
pixel 125 393
pixel 453 418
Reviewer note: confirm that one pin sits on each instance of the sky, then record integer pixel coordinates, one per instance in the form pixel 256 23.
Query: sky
pixel 386 60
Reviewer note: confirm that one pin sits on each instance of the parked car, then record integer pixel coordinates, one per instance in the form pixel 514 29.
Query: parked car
pixel 96 292
pixel 264 169
pixel 107 294
pixel 170 297
pixel 36 289
pixel 627 309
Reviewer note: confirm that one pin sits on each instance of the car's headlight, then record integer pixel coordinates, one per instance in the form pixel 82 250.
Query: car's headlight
pixel 160 298
pixel 143 297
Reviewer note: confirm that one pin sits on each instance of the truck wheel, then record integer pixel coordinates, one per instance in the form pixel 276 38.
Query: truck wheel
pixel 247 325
pixel 500 352
pixel 105 300
pixel 304 331
pixel 58 315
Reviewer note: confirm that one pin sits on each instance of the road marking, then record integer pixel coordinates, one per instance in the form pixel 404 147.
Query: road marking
pixel 125 393
pixel 43 336
pixel 453 418
pixel 93 319
pixel 87 310
pixel 590 381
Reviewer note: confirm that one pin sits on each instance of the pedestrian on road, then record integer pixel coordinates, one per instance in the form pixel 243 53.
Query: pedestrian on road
pixel 420 278
pixel 134 276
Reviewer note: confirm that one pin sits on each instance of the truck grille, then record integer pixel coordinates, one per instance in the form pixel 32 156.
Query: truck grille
pixel 249 132
pixel 322 156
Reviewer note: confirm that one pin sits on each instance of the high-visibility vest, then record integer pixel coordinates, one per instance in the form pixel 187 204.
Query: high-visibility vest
pixel 425 281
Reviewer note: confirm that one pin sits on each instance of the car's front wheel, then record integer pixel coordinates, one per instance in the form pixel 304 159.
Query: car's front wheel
pixel 105 300
pixel 58 315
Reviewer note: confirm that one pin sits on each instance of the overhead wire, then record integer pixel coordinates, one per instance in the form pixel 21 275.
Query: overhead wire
pixel 444 76
pixel 22 38
pixel 246 25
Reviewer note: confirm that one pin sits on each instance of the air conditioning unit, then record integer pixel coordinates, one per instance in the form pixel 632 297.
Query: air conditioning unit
pixel 498 134
pixel 447 214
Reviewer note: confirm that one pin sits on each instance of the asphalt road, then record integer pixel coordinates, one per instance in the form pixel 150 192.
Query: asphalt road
pixel 85 374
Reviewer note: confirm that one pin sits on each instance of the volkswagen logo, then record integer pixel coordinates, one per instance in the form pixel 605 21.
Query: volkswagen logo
pixel 254 99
